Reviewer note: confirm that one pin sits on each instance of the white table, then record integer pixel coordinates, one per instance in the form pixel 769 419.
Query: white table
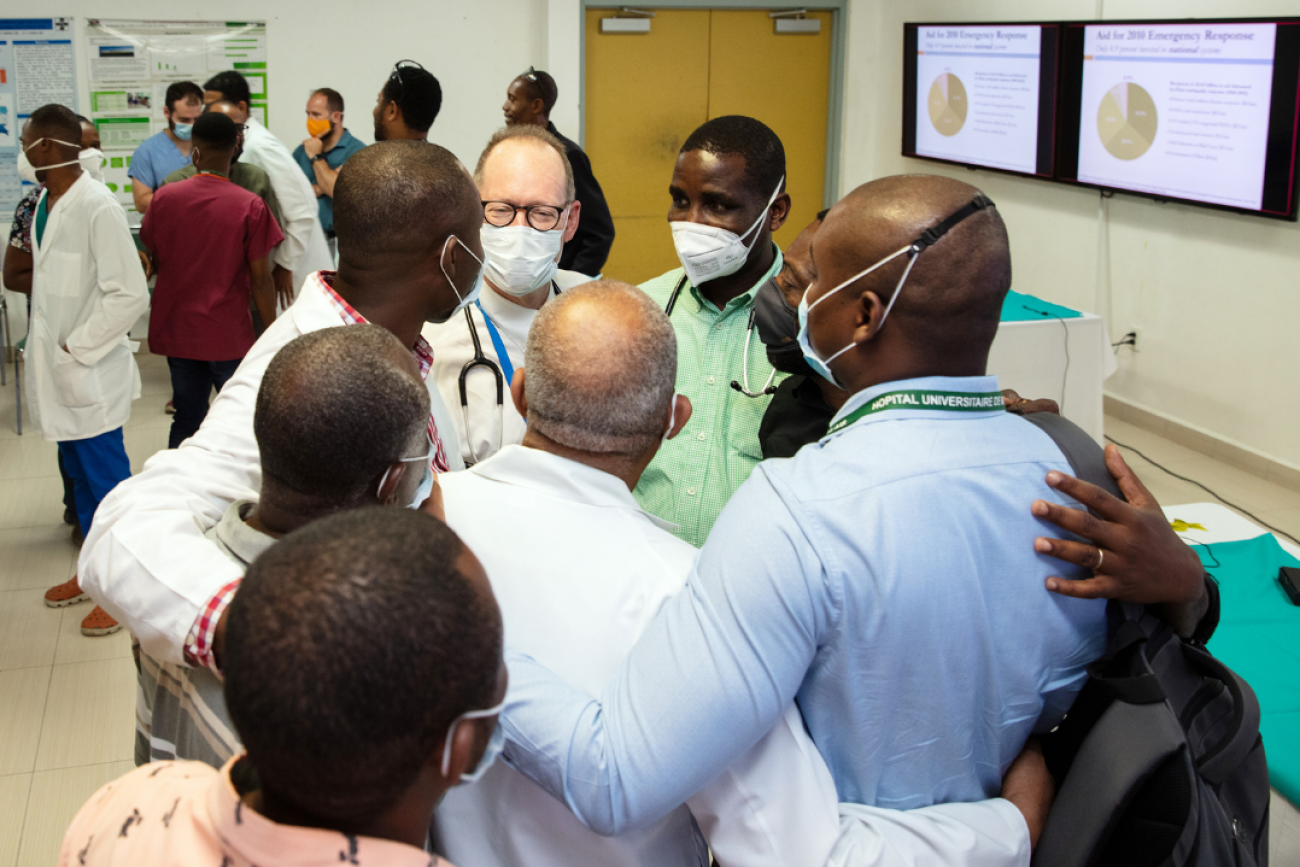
pixel 1030 357
pixel 1221 525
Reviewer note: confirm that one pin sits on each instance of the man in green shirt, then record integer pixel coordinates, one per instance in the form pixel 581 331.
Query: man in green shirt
pixel 728 197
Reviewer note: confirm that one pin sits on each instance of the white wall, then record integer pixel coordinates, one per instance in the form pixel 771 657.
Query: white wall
pixel 1214 296
pixel 474 47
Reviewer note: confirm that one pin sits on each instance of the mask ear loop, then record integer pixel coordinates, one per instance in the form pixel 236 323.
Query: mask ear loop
pixel 915 254
pixel 766 209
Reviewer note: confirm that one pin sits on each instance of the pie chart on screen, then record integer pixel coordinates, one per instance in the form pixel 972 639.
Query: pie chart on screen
pixel 947 104
pixel 1126 121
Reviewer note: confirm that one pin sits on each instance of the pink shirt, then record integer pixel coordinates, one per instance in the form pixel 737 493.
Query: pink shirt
pixel 186 813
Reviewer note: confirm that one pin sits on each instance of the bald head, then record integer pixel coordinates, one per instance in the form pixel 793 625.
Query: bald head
pixel 401 198
pixel 952 301
pixel 229 109
pixel 601 366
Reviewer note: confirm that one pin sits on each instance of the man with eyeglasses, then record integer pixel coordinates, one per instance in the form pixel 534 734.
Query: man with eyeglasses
pixel 304 250
pixel 728 197
pixel 529 217
pixel 529 101
pixel 407 104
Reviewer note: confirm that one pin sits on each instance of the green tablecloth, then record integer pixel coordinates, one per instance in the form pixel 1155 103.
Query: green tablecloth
pixel 1027 308
pixel 1259 638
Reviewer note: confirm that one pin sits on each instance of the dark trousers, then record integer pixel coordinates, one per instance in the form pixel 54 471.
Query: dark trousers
pixel 192 382
pixel 96 465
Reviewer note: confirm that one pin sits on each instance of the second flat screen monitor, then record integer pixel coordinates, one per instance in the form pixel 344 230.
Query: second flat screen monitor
pixel 981 95
pixel 1178 110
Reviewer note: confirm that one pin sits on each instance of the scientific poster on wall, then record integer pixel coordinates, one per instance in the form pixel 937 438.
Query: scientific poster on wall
pixel 37 66
pixel 131 63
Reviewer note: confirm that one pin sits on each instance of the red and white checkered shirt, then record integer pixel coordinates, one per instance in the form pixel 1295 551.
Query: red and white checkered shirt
pixel 198 644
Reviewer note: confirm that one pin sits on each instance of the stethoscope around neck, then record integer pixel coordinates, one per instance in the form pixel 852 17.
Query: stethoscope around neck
pixel 480 359
pixel 744 388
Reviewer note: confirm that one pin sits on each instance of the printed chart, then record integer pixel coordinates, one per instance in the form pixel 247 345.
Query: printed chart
pixel 1127 121
pixel 948 104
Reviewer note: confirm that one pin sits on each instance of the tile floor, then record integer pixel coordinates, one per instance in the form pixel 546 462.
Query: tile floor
pixel 67 702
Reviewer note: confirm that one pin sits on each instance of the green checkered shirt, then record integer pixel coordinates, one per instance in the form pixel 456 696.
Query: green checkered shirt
pixel 697 471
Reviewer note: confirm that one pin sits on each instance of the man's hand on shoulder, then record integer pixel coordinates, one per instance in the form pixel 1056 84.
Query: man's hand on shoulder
pixel 1134 554
pixel 1024 406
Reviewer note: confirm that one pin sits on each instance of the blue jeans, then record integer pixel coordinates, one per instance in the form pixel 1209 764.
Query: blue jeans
pixel 192 382
pixel 96 465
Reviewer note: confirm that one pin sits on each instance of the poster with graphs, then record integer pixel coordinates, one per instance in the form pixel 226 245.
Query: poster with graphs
pixel 37 67
pixel 977 94
pixel 131 64
pixel 1178 110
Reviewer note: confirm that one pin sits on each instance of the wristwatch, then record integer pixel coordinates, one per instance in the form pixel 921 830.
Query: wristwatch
pixel 319 156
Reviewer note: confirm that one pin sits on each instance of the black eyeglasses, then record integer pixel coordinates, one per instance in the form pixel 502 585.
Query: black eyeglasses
pixel 397 75
pixel 543 218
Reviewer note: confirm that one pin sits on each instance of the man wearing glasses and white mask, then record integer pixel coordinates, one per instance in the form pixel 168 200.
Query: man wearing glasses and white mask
pixel 529 213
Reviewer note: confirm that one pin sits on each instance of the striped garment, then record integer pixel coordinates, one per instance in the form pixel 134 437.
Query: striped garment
pixel 180 709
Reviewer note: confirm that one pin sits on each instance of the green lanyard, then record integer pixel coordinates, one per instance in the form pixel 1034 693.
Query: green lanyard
pixel 943 401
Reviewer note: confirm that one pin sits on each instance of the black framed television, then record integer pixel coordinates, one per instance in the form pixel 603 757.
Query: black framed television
pixel 982 95
pixel 1204 111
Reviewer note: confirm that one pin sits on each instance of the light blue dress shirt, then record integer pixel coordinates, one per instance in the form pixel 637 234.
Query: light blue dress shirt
pixel 884 578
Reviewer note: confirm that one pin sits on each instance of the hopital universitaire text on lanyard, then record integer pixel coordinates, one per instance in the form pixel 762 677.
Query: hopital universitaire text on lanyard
pixel 944 401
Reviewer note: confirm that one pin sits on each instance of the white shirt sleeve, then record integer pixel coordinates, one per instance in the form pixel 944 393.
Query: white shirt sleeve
pixel 146 560
pixel 776 805
pixel 298 206
pixel 988 833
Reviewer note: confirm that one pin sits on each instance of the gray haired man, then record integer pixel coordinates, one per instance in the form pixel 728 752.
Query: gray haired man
pixel 585 568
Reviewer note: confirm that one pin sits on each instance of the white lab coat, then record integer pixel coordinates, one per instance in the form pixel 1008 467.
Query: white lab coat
pixel 146 559
pixel 483 426
pixel 88 289
pixel 579 570
pixel 304 249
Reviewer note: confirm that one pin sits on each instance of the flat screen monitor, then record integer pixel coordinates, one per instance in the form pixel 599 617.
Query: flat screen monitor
pixel 1202 111
pixel 981 95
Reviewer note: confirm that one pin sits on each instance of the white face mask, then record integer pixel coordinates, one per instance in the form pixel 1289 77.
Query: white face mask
pixel 521 259
pixel 27 171
pixel 496 743
pixel 707 252
pixel 92 163
pixel 476 290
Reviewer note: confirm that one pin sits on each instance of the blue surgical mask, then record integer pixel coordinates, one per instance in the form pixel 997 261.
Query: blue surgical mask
pixel 927 239
pixel 823 368
pixel 183 131
pixel 496 743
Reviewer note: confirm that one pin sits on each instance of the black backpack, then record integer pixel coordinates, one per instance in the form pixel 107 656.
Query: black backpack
pixel 1159 762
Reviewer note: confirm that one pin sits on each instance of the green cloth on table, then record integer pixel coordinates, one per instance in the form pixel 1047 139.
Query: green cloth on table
pixel 1259 638
pixel 1026 308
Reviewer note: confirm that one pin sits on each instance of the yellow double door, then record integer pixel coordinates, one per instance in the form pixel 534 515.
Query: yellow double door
pixel 646 92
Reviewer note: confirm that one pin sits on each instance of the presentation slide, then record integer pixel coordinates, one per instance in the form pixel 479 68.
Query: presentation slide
pixel 1178 110
pixel 977 95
